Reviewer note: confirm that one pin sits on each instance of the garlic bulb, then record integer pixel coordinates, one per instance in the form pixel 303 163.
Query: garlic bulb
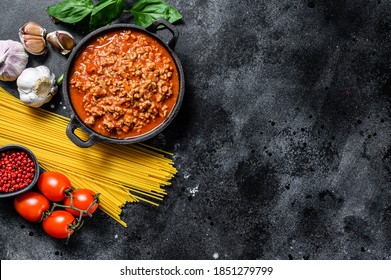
pixel 36 86
pixel 13 60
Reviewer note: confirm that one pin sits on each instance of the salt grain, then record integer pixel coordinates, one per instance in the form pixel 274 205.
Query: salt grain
pixel 193 191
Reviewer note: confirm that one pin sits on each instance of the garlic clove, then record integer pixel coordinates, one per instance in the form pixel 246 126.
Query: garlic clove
pixel 43 71
pixel 26 81
pixel 33 28
pixel 61 40
pixel 66 39
pixel 32 36
pixel 35 45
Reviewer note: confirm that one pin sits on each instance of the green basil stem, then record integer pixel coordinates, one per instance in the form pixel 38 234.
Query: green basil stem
pixel 59 80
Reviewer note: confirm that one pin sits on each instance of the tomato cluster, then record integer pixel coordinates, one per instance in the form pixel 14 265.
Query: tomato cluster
pixel 55 187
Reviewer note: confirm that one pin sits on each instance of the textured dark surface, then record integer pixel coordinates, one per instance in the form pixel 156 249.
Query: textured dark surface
pixel 282 143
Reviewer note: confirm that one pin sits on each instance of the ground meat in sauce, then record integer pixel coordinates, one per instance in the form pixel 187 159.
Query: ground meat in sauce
pixel 125 81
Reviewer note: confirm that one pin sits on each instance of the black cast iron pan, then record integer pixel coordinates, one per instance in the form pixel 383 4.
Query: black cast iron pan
pixel 76 122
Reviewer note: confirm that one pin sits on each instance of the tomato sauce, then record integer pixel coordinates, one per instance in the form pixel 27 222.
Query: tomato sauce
pixel 123 84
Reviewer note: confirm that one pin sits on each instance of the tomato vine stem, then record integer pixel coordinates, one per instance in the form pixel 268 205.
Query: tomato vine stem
pixel 79 220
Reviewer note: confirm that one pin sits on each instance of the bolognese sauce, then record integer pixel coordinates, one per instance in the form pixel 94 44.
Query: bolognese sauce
pixel 123 84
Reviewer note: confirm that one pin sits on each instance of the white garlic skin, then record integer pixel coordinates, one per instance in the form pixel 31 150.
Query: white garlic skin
pixel 13 60
pixel 36 86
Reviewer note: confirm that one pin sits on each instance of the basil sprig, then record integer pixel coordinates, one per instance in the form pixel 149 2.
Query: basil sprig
pixel 147 11
pixel 106 11
pixel 71 11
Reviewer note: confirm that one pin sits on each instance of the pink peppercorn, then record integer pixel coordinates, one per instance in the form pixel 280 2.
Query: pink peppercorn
pixel 17 171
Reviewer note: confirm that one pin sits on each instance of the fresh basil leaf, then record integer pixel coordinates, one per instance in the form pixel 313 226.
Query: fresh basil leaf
pixel 105 12
pixel 145 12
pixel 71 11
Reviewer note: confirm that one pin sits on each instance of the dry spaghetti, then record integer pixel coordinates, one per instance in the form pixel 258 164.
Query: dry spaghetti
pixel 120 173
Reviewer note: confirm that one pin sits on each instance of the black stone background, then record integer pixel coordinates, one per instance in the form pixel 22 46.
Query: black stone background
pixel 282 143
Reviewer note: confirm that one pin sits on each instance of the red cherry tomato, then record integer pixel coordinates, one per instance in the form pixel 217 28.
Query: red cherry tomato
pixel 31 205
pixel 53 185
pixel 82 199
pixel 57 224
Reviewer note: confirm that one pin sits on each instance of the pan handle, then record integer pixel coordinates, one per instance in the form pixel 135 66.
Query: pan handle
pixel 70 131
pixel 154 26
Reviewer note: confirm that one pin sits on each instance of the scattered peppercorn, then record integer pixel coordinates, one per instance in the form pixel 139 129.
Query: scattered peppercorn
pixel 17 171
